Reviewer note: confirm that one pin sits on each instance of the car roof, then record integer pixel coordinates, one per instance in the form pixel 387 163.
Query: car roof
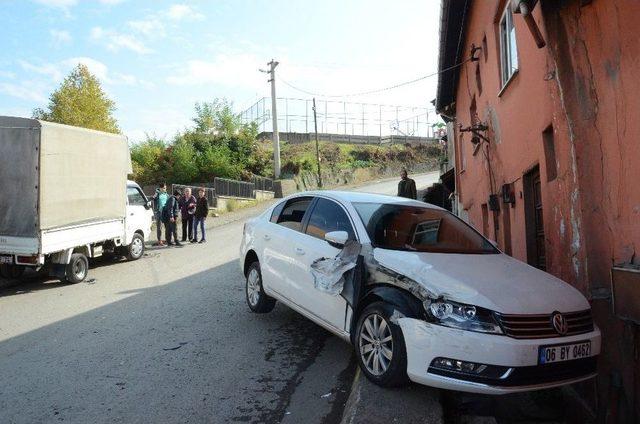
pixel 363 197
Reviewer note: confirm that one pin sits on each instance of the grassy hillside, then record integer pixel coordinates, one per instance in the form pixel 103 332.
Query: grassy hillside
pixel 302 157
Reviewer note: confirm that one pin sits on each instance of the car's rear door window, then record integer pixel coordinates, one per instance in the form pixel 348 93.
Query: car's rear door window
pixel 328 216
pixel 293 213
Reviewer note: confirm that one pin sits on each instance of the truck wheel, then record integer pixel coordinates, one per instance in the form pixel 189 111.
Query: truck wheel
pixel 11 272
pixel 77 269
pixel 136 249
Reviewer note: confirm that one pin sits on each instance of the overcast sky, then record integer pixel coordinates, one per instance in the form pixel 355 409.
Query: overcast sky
pixel 157 58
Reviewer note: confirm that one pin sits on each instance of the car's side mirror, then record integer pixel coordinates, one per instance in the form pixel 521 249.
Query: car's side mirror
pixel 147 205
pixel 337 238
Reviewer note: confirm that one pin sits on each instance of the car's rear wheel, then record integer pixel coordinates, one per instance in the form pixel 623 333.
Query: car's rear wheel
pixel 257 299
pixel 380 346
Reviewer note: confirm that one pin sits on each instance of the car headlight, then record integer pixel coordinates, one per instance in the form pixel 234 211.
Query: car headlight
pixel 459 315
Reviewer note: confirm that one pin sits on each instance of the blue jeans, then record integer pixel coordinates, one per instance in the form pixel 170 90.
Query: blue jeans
pixel 199 221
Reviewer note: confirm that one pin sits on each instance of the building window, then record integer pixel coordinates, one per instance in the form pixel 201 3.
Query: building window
pixel 550 153
pixel 508 49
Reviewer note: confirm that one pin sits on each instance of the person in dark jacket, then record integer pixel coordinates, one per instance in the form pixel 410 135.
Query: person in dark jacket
pixel 187 205
pixel 202 210
pixel 159 200
pixel 406 186
pixel 169 217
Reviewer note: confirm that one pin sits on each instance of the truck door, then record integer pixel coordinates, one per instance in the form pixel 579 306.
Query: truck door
pixel 138 213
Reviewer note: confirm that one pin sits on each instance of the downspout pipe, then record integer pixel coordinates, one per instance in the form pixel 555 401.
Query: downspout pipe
pixel 522 6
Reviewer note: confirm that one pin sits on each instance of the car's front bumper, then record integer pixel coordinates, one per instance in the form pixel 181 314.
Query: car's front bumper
pixel 426 342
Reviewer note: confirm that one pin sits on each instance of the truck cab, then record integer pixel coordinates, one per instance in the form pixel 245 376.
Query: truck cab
pixel 139 214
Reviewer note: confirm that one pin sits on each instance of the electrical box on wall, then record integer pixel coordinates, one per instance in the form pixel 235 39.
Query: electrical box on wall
pixel 494 202
pixel 508 194
pixel 625 287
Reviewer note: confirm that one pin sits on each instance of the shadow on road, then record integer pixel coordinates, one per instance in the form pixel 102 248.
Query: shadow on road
pixel 186 351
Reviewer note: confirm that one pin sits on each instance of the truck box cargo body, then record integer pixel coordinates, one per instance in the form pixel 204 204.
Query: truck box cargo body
pixel 64 189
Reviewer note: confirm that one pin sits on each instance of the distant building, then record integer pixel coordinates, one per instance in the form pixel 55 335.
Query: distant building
pixel 542 101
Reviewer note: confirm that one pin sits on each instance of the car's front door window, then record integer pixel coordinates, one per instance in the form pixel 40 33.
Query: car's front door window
pixel 328 216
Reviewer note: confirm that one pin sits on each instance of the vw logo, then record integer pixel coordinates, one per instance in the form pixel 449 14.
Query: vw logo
pixel 560 323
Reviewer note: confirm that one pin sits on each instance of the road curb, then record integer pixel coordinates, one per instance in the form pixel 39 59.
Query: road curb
pixel 371 404
pixel 350 407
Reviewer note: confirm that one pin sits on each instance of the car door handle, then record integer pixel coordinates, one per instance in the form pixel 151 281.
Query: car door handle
pixel 267 237
pixel 299 251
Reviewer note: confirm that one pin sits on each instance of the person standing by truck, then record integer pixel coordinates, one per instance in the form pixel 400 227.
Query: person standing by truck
pixel 187 205
pixel 202 210
pixel 159 201
pixel 169 217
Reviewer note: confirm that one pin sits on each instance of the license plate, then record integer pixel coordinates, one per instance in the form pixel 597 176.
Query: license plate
pixel 564 352
pixel 4 259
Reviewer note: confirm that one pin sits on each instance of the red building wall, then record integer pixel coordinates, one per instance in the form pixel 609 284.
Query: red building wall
pixel 585 84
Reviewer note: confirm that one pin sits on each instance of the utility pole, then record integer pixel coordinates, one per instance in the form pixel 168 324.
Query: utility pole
pixel 315 124
pixel 274 117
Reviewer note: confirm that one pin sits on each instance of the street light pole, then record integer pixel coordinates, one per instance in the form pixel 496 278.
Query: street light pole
pixel 315 125
pixel 274 117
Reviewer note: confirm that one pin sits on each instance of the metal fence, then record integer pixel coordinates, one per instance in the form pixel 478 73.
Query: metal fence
pixel 295 115
pixel 262 183
pixel 209 192
pixel 234 188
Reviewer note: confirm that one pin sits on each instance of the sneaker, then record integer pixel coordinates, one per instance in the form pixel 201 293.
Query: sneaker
pixel 202 241
pixel 178 243
pixel 193 241
pixel 171 243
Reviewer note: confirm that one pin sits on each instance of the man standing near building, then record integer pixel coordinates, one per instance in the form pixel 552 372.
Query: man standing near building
pixel 406 186
pixel 159 200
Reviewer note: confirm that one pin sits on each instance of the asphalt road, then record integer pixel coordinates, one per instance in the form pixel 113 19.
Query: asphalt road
pixel 168 338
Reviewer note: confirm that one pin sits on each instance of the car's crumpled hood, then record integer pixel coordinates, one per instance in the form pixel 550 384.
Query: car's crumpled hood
pixel 494 281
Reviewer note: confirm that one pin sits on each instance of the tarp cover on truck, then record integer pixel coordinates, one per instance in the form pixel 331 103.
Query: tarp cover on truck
pixel 80 175
pixel 19 160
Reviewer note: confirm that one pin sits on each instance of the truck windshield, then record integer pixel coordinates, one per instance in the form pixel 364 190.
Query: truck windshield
pixel 420 229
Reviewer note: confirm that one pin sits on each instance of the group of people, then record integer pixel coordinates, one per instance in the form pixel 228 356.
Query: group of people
pixel 184 206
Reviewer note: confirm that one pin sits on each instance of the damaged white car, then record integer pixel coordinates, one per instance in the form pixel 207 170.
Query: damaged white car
pixel 421 295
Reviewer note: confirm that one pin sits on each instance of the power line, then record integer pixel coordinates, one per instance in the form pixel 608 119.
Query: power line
pixel 380 90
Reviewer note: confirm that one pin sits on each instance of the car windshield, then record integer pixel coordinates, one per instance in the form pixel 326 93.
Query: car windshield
pixel 420 229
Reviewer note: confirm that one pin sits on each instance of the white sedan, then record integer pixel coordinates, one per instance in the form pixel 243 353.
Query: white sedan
pixel 420 294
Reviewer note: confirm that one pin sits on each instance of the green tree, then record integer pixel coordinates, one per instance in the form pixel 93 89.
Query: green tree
pixel 80 101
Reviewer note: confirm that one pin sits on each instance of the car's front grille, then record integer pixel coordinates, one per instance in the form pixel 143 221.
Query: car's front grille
pixel 541 326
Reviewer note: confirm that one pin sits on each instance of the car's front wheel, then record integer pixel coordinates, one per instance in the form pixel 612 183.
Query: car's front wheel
pixel 257 299
pixel 380 346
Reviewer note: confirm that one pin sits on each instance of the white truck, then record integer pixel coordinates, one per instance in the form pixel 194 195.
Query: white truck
pixel 65 198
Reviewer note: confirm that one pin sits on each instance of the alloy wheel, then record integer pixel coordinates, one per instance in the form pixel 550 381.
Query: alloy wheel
pixel 253 287
pixel 376 344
